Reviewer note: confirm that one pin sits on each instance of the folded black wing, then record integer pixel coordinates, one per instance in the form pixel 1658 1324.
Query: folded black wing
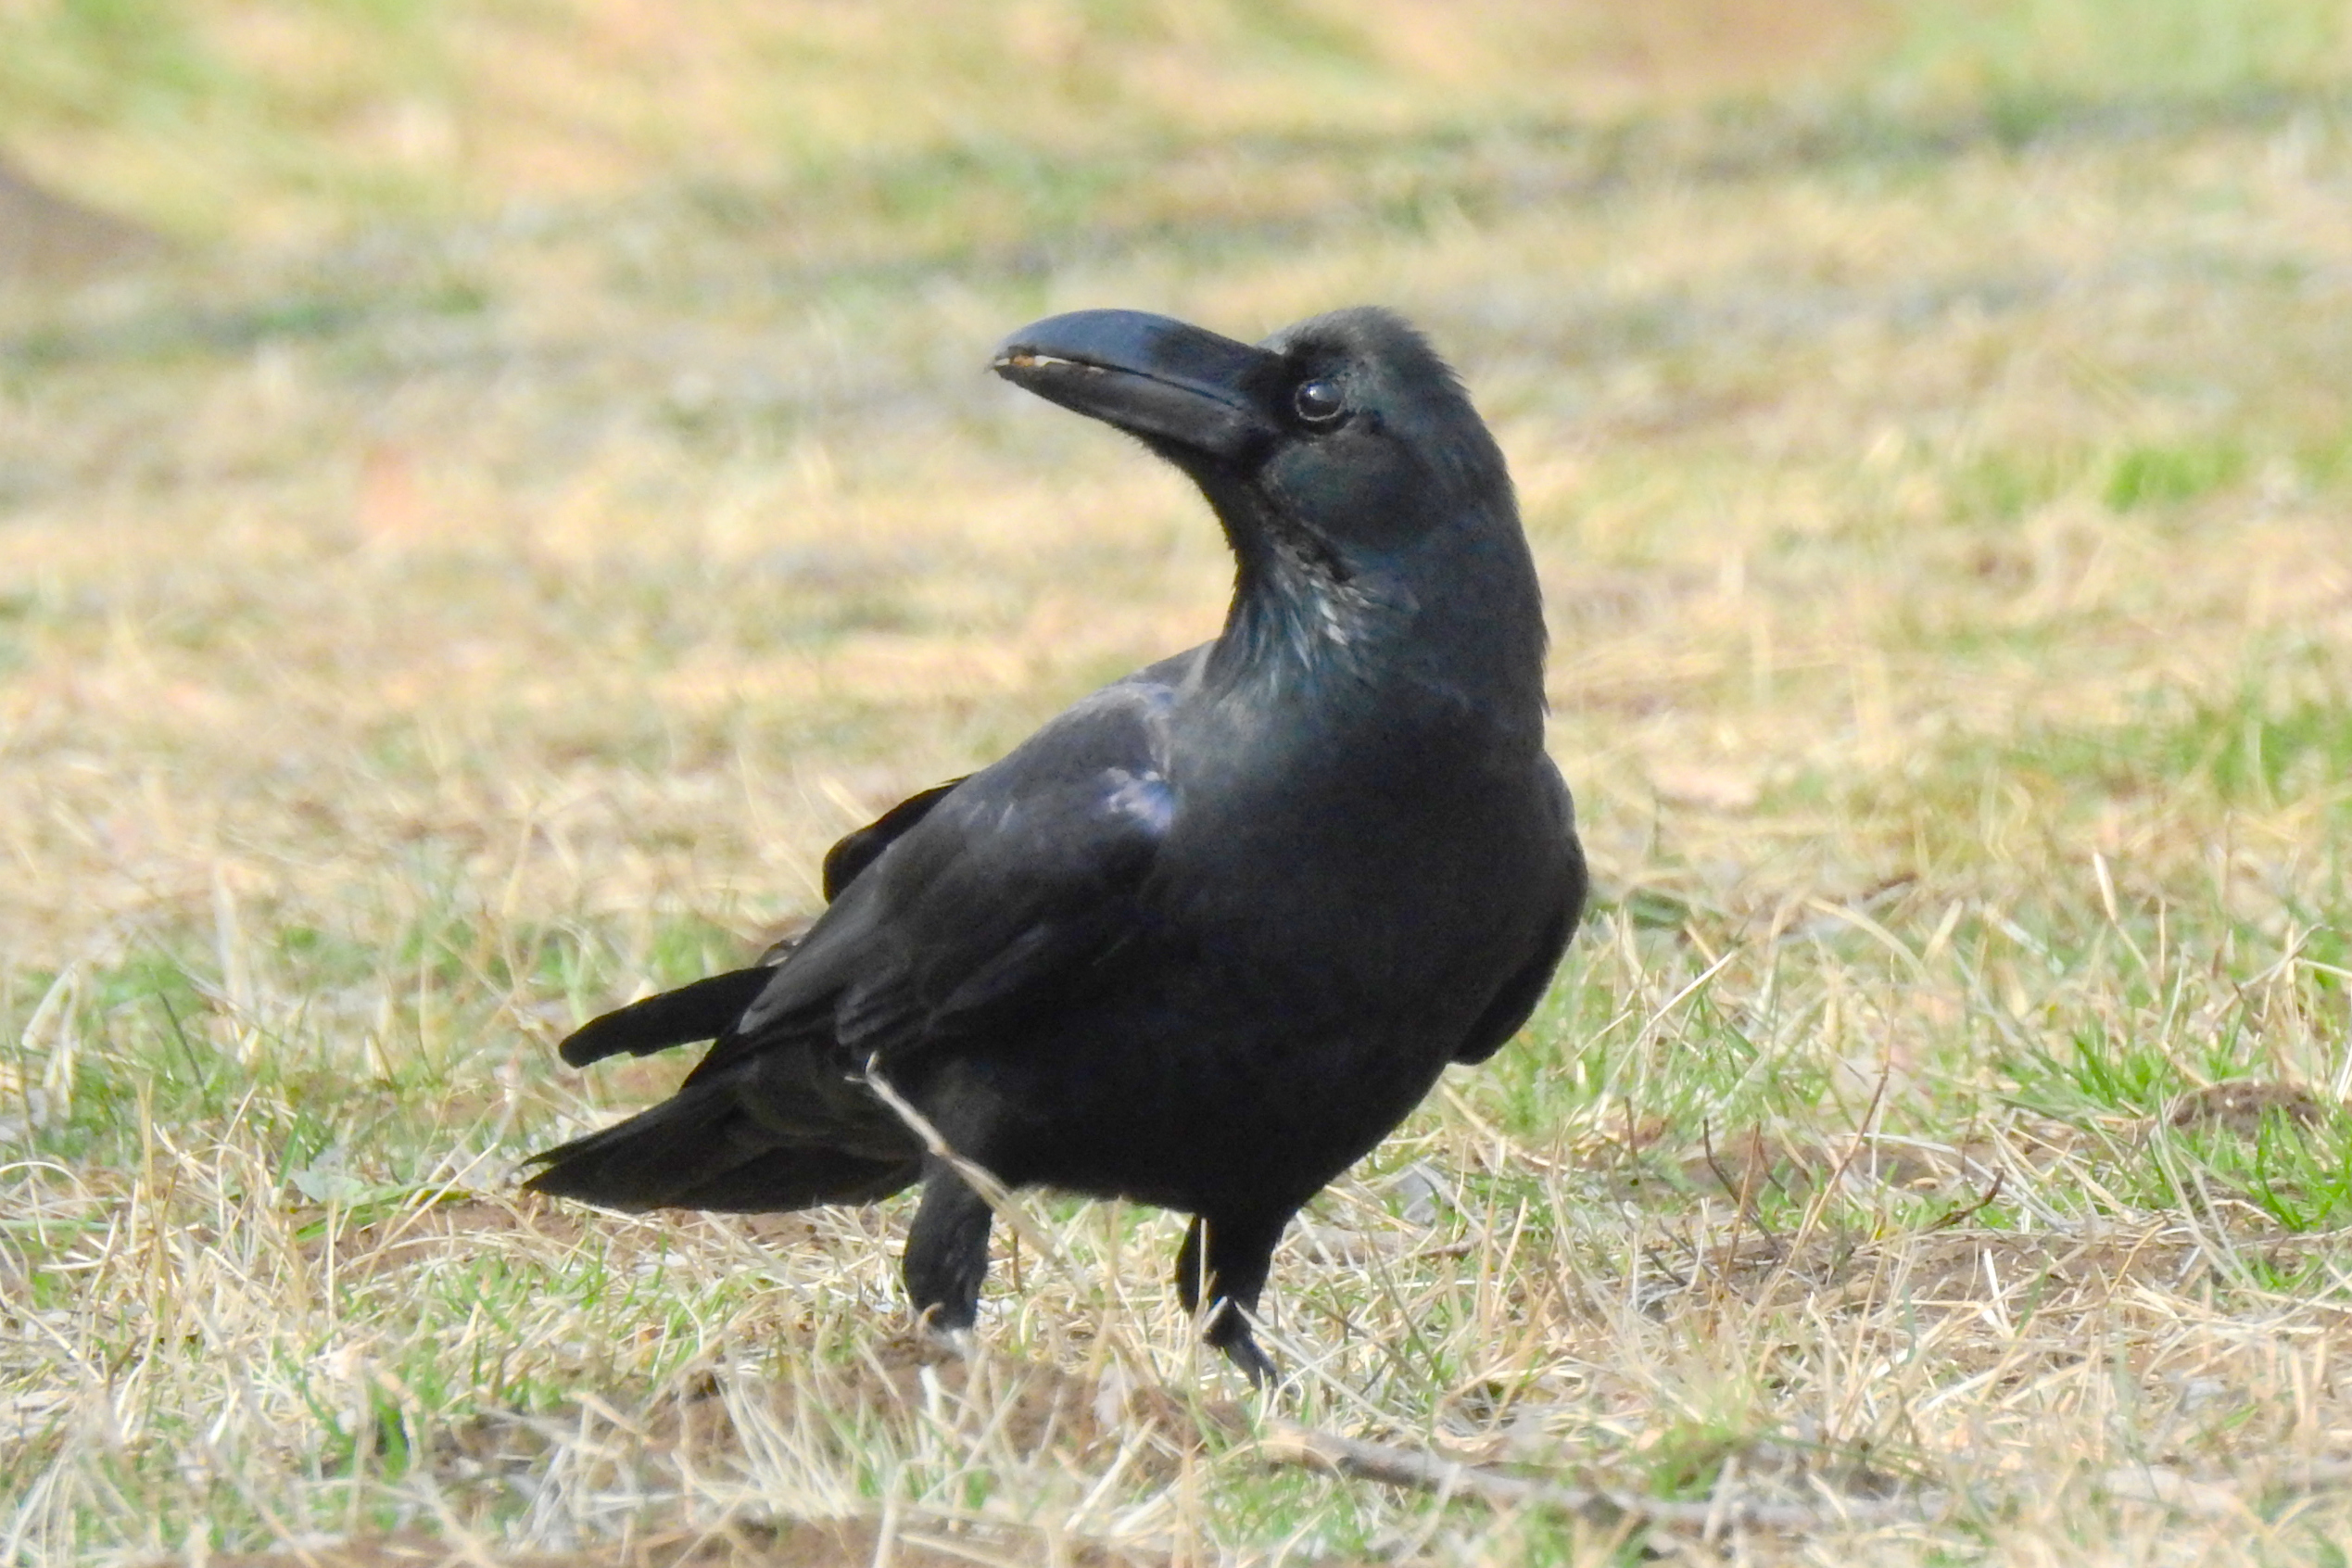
pixel 1010 886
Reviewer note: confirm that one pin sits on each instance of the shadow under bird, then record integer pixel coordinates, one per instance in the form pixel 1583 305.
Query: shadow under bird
pixel 1207 937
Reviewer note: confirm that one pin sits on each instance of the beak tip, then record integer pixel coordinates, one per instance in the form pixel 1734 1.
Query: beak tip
pixel 1022 366
pixel 1163 380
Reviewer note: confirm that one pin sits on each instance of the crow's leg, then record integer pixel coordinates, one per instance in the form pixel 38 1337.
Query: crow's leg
pixel 946 1250
pixel 1225 1262
pixel 1189 1280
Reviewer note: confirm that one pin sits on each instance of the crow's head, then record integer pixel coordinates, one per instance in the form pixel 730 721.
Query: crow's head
pixel 1347 427
pixel 1356 483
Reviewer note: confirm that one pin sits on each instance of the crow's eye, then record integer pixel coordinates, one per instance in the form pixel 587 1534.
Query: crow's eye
pixel 1318 402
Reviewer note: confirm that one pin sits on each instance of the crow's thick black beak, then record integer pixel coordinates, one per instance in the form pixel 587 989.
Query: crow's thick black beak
pixel 1173 384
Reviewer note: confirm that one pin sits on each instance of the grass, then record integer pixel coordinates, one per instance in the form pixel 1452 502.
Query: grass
pixel 449 598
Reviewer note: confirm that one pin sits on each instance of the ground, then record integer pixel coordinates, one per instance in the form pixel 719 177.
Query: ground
pixel 468 577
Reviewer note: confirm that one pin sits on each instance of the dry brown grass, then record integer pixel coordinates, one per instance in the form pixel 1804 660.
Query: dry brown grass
pixel 412 643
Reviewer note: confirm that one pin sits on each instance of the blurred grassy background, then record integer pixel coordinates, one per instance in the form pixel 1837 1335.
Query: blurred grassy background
pixel 277 120
pixel 547 488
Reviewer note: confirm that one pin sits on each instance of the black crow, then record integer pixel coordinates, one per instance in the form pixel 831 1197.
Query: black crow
pixel 1207 937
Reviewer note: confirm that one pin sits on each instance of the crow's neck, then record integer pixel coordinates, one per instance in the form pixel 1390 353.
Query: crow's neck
pixel 1457 623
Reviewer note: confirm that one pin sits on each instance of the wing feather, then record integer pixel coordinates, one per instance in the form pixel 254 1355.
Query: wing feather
pixel 1006 886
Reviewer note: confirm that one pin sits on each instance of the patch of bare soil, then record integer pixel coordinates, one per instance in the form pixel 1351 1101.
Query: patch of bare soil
pixel 1034 1406
pixel 47 238
pixel 1024 1411
pixel 2243 1106
pixel 697 1426
pixel 461 1223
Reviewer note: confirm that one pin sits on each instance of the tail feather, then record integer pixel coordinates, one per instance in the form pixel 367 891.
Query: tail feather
pixel 700 1150
pixel 801 1178
pixel 703 1010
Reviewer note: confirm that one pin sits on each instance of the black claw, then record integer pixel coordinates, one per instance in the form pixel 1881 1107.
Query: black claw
pixel 1255 1365
pixel 1228 1331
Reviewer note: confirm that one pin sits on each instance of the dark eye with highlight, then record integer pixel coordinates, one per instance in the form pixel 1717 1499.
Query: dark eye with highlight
pixel 1318 402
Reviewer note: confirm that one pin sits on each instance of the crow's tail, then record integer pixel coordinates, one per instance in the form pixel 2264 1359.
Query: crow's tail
pixel 701 1150
pixel 703 1010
